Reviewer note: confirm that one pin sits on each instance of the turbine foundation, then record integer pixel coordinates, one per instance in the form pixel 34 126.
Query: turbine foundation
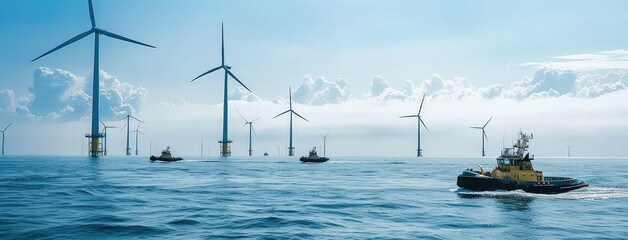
pixel 95 145
pixel 291 151
pixel 225 148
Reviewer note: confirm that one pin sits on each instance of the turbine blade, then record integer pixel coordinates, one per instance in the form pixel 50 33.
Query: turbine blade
pixel 487 122
pixel 138 120
pixel 91 14
pixel 222 42
pixel 141 133
pixel 253 128
pixel 423 124
pixel 234 77
pixel 327 133
pixel 121 129
pixel 300 116
pixel 103 124
pixel 290 96
pixel 484 133
pixel 421 107
pixel 256 119
pixel 242 116
pixel 282 113
pixel 476 127
pixel 116 36
pixel 408 116
pixel 7 127
pixel 208 72
pixel 68 42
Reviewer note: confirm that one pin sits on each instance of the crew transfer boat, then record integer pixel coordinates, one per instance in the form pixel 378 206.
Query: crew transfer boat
pixel 514 171
pixel 165 156
pixel 313 157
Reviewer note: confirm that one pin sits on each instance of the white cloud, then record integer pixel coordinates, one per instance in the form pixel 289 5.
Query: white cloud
pixel 60 95
pixel 322 91
pixel 7 100
pixel 239 93
pixel 605 60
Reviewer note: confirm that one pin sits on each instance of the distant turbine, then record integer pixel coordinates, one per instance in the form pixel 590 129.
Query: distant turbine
pixel 325 143
pixel 95 135
pixel 483 135
pixel 419 151
pixel 225 144
pixel 128 119
pixel 137 131
pixel 290 148
pixel 250 129
pixel 5 129
pixel 104 127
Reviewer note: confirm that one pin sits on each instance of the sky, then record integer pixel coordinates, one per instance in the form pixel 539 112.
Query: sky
pixel 558 69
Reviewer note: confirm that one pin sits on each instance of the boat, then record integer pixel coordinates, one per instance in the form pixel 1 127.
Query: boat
pixel 514 171
pixel 313 157
pixel 265 154
pixel 165 156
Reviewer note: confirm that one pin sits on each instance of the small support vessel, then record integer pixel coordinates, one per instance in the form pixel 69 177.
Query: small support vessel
pixel 514 171
pixel 165 156
pixel 313 157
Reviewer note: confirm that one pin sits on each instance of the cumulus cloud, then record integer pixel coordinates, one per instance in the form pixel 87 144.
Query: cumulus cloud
pixel 548 82
pixel 380 90
pixel 322 91
pixel 7 100
pixel 58 94
pixel 239 93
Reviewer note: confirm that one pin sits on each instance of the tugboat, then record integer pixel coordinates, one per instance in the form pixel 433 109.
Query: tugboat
pixel 313 157
pixel 514 171
pixel 165 156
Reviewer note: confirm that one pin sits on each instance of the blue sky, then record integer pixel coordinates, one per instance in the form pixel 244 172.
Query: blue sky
pixel 275 44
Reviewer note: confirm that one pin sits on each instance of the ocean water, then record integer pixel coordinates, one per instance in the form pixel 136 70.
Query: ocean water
pixel 280 198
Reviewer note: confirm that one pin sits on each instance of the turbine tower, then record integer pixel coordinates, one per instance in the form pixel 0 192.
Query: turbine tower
pixel 104 129
pixel 419 151
pixel 250 129
pixel 325 143
pixel 5 129
pixel 483 135
pixel 290 148
pixel 128 120
pixel 94 136
pixel 225 143
pixel 137 131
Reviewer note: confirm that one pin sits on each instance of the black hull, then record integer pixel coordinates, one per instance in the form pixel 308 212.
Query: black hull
pixel 552 188
pixel 153 158
pixel 550 185
pixel 319 160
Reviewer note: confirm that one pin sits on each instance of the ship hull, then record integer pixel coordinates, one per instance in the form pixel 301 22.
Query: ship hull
pixel 550 185
pixel 153 158
pixel 312 160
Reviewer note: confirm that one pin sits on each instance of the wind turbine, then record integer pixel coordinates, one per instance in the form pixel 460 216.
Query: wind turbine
pixel 250 129
pixel 5 129
pixel 225 143
pixel 104 127
pixel 290 148
pixel 483 135
pixel 419 151
pixel 325 143
pixel 128 119
pixel 95 133
pixel 137 131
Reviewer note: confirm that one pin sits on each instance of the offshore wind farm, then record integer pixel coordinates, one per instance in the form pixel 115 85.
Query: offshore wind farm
pixel 352 169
